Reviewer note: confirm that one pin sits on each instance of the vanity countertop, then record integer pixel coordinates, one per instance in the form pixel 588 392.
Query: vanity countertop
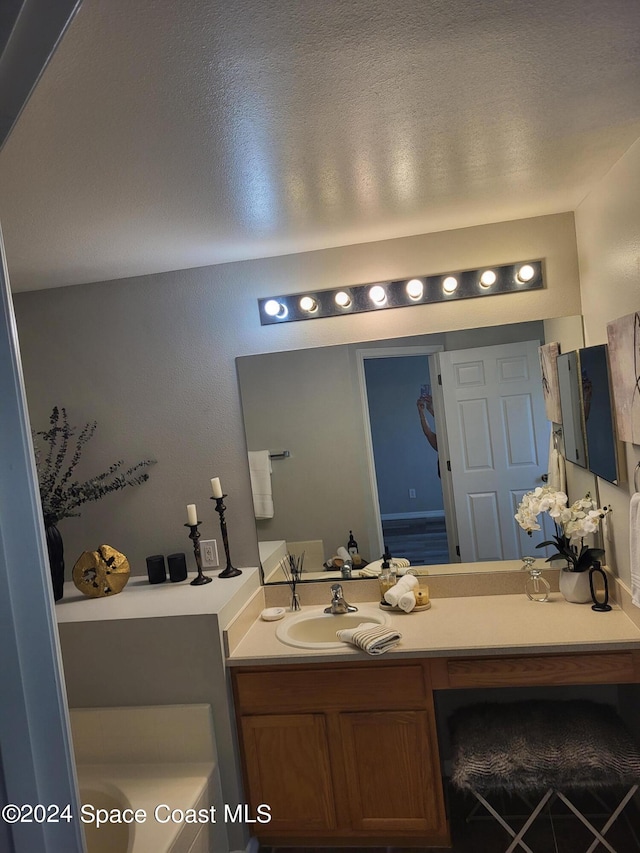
pixel 142 600
pixel 470 625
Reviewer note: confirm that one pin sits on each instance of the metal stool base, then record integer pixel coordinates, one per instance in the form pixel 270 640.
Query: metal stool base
pixel 546 800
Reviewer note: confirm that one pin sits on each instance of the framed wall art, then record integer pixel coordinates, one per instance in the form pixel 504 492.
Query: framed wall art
pixel 624 359
pixel 550 386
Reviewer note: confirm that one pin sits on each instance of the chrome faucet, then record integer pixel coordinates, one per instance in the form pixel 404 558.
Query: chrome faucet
pixel 338 604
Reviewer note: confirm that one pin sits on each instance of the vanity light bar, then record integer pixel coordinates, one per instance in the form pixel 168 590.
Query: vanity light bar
pixel 417 290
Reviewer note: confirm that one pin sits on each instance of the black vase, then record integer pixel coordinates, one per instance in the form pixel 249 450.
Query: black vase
pixel 56 558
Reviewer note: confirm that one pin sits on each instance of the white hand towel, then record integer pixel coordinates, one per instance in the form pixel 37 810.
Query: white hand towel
pixel 260 475
pixel 405 584
pixel 372 638
pixel 557 473
pixel 557 477
pixel 634 546
pixel 407 601
pixel 372 569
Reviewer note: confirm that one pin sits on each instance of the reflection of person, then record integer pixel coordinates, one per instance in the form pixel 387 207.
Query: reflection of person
pixel 425 404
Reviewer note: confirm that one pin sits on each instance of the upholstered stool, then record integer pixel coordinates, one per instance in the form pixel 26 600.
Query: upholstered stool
pixel 545 749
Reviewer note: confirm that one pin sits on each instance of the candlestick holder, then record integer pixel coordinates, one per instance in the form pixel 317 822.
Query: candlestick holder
pixel 230 571
pixel 194 535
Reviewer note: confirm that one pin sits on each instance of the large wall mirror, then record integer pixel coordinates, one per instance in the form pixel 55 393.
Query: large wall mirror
pixel 587 412
pixel 425 444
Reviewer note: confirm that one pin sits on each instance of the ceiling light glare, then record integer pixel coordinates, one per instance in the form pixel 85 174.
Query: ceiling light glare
pixel 415 288
pixel 308 303
pixel 525 273
pixel 273 308
pixel 487 278
pixel 342 299
pixel 450 284
pixel 378 295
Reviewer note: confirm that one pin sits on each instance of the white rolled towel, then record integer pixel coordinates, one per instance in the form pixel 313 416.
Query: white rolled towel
pixel 372 638
pixel 405 584
pixel 373 569
pixel 407 601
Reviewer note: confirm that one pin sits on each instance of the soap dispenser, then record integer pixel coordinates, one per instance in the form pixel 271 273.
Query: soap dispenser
pixel 387 577
pixel 352 545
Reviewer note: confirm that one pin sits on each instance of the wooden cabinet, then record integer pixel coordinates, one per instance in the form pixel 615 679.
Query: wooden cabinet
pixel 346 754
pixel 343 754
pixel 287 768
pixel 616 667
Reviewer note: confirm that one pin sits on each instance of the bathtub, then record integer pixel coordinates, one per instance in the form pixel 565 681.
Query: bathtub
pixel 144 808
pixel 149 779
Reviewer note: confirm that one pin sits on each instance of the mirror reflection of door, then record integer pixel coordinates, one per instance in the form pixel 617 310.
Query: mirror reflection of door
pixel 405 456
pixel 571 404
pixel 498 442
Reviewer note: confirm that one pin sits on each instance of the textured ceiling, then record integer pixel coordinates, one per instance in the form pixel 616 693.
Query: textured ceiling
pixel 167 135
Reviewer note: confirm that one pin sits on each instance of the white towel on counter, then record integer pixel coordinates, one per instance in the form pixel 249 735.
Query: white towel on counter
pixel 407 601
pixel 372 638
pixel 407 583
pixel 634 547
pixel 260 475
pixel 372 570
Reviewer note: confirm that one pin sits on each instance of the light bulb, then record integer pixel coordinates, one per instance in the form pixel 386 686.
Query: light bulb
pixel 342 299
pixel 487 278
pixel 450 284
pixel 275 309
pixel 525 273
pixel 377 294
pixel 308 303
pixel 415 288
pixel 272 307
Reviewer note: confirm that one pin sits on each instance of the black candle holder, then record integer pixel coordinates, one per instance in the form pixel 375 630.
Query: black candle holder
pixel 194 535
pixel 230 571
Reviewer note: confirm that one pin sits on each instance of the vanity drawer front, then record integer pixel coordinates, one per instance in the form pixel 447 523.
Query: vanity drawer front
pixel 353 688
pixel 596 668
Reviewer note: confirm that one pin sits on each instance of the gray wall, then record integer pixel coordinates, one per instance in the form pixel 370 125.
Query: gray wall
pixel 152 359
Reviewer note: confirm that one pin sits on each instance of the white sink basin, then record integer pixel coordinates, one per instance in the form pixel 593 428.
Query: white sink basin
pixel 315 629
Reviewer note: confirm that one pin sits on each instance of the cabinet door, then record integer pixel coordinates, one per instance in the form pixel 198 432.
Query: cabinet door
pixel 392 772
pixel 287 767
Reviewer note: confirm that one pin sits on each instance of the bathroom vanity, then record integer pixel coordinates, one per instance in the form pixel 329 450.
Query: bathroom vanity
pixel 343 746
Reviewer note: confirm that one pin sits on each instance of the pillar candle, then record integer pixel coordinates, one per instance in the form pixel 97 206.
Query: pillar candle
pixel 155 569
pixel 216 488
pixel 177 567
pixel 192 515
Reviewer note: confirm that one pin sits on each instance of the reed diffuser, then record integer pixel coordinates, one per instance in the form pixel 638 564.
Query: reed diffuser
pixel 292 571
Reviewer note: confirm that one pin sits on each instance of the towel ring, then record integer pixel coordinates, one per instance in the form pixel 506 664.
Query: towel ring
pixel 635 477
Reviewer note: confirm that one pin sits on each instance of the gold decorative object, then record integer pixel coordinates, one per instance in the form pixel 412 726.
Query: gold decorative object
pixel 101 573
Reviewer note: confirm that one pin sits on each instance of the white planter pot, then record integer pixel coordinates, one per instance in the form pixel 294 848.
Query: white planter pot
pixel 574 586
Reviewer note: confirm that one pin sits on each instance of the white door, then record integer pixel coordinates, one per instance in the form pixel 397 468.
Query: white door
pixel 498 442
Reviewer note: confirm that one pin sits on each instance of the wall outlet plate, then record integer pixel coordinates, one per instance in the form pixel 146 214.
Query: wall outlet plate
pixel 209 553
